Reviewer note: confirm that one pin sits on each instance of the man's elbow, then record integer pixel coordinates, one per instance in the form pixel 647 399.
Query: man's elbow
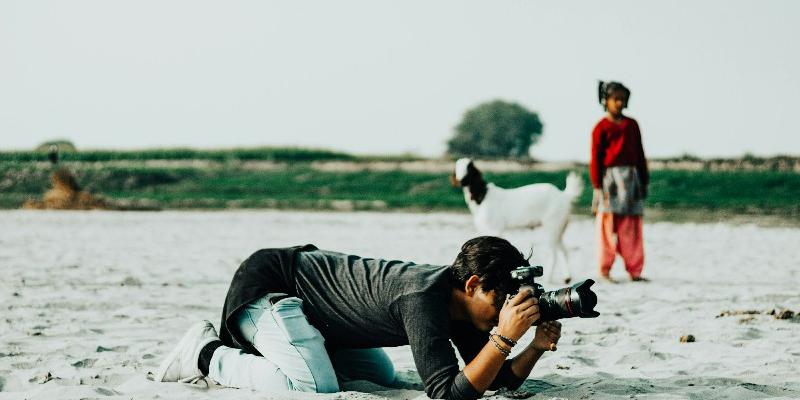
pixel 453 391
pixel 452 395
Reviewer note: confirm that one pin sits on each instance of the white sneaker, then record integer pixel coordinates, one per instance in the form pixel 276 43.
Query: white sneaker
pixel 181 364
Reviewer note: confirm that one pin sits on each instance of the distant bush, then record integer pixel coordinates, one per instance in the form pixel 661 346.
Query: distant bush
pixel 496 129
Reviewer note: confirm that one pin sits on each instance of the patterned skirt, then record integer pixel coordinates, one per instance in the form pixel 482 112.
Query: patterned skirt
pixel 622 192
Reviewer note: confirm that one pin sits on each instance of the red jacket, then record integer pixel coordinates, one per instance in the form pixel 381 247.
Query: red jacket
pixel 616 144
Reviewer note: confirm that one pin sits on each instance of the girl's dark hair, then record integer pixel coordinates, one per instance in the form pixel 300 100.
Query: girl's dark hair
pixel 605 89
pixel 491 259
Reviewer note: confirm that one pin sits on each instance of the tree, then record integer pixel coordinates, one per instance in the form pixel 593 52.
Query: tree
pixel 496 129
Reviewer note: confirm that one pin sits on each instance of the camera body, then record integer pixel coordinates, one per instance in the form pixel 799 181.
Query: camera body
pixel 527 277
pixel 577 300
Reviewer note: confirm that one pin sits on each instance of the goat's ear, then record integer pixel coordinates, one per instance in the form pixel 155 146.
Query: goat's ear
pixel 472 171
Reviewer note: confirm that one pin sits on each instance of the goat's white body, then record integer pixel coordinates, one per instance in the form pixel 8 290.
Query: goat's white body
pixel 523 207
pixel 536 205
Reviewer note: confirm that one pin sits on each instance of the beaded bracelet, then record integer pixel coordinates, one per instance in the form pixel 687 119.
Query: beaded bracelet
pixel 502 350
pixel 509 341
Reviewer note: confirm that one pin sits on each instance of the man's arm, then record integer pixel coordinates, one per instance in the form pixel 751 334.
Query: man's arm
pixel 470 341
pixel 513 372
pixel 427 327
pixel 516 317
pixel 482 370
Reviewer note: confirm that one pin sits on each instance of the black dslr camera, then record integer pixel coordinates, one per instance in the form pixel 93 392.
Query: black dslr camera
pixel 574 301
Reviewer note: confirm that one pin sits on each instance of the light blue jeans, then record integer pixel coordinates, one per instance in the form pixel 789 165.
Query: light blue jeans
pixel 294 354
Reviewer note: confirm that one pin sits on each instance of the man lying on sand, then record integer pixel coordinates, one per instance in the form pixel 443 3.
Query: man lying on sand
pixel 303 319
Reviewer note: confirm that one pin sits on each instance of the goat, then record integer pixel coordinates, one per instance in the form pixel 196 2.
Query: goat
pixel 495 209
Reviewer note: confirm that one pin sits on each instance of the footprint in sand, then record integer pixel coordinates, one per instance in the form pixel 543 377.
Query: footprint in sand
pixel 85 363
pixel 644 357
pixel 750 334
pixel 131 281
pixel 118 349
pixel 107 392
pixel 583 360
pixel 24 365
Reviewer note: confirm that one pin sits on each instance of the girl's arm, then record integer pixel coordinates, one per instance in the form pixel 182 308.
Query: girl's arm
pixel 596 161
pixel 641 165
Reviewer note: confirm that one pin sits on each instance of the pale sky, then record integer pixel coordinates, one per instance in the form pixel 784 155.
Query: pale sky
pixel 710 78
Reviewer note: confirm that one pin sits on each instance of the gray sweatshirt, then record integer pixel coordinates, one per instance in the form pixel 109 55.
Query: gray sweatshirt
pixel 360 302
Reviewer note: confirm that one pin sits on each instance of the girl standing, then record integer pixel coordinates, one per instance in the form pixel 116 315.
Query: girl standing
pixel 618 170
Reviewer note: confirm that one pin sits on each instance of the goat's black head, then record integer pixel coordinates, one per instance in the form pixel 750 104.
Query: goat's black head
pixel 467 175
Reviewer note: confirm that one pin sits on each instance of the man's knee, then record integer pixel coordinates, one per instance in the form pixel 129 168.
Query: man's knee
pixel 385 375
pixel 372 365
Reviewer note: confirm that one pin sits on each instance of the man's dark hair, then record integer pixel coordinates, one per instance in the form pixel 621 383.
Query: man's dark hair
pixel 491 259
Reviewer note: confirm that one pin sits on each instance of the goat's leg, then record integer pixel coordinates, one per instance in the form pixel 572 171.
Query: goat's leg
pixel 567 274
pixel 550 245
pixel 552 265
pixel 563 248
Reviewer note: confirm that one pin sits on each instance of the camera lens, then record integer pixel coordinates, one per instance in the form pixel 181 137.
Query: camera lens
pixel 577 300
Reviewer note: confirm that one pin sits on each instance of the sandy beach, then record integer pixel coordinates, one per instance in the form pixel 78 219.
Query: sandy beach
pixel 91 301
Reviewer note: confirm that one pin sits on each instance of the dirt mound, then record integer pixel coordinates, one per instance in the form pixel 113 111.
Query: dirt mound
pixel 66 194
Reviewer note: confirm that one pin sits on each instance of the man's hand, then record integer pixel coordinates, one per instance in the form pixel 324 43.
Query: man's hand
pixel 547 335
pixel 518 314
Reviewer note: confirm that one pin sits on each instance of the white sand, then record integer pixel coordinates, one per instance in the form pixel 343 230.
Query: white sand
pixel 96 299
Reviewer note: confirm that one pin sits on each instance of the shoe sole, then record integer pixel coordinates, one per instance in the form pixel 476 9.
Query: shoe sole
pixel 164 366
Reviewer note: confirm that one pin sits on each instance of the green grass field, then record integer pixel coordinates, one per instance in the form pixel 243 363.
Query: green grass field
pixel 259 153
pixel 296 185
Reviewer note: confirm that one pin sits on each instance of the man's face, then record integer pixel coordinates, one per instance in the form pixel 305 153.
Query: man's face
pixel 482 311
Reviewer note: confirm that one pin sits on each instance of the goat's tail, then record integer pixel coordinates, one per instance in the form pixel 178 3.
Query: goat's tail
pixel 574 186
